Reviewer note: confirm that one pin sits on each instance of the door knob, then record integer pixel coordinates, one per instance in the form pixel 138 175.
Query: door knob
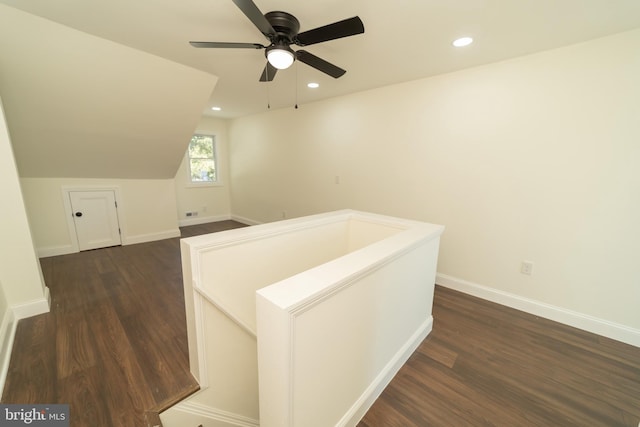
pixel 78 214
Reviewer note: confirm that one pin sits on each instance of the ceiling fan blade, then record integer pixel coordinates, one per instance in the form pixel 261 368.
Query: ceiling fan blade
pixel 337 30
pixel 319 64
pixel 268 73
pixel 252 12
pixel 227 45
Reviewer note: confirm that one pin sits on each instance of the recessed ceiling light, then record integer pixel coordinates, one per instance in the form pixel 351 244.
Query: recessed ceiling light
pixel 463 41
pixel 216 108
pixel 313 85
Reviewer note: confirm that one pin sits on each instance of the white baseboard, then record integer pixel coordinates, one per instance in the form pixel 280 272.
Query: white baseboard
pixel 244 220
pixel 7 335
pixel 32 308
pixel 203 220
pixel 575 319
pixel 126 240
pixel 151 237
pixel 363 404
pixel 56 250
pixel 143 238
pixel 188 413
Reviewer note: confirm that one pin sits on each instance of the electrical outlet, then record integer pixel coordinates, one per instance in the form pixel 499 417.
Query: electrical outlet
pixel 526 268
pixel 190 214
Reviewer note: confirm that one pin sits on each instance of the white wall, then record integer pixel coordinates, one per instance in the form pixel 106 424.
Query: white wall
pixel 212 201
pixel 4 309
pixel 20 274
pixel 534 159
pixel 147 210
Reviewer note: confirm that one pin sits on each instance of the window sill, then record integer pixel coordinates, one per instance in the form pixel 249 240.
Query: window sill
pixel 204 184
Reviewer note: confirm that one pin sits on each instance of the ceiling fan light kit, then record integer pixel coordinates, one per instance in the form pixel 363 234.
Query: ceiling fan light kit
pixel 281 57
pixel 281 29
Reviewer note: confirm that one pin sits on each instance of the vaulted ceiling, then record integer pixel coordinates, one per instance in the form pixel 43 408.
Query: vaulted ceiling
pixel 111 80
pixel 81 106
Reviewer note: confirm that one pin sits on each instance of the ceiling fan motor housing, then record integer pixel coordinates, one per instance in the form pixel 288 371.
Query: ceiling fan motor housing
pixel 286 26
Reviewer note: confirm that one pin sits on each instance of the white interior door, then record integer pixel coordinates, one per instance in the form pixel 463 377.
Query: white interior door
pixel 95 217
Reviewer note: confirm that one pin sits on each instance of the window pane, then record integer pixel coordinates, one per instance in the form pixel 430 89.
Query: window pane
pixel 202 159
pixel 201 147
pixel 203 170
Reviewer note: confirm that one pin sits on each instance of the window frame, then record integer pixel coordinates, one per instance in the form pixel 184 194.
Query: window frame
pixel 188 158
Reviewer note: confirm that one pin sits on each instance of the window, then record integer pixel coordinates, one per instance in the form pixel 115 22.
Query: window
pixel 202 160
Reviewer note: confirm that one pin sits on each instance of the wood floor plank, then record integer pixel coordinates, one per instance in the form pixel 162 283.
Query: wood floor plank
pixel 72 338
pixel 439 352
pixel 84 391
pixel 126 391
pixel 386 414
pixel 32 369
pixel 163 376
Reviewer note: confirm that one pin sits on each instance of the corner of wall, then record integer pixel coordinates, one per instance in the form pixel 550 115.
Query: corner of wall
pixel 203 220
pixel 33 307
pixel 245 220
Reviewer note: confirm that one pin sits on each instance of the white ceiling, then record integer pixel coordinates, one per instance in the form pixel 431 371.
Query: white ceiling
pixel 403 39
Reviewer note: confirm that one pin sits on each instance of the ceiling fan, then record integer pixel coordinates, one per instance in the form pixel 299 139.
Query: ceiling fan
pixel 281 28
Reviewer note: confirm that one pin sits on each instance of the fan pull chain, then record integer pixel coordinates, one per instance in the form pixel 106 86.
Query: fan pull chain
pixel 296 107
pixel 268 83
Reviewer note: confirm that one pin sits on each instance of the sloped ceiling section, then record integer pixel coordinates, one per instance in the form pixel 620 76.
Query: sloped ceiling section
pixel 81 106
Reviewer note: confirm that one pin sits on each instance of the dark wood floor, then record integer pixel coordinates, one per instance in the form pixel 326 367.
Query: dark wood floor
pixel 487 365
pixel 114 346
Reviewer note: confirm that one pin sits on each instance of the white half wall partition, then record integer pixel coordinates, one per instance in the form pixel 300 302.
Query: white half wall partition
pixel 335 303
